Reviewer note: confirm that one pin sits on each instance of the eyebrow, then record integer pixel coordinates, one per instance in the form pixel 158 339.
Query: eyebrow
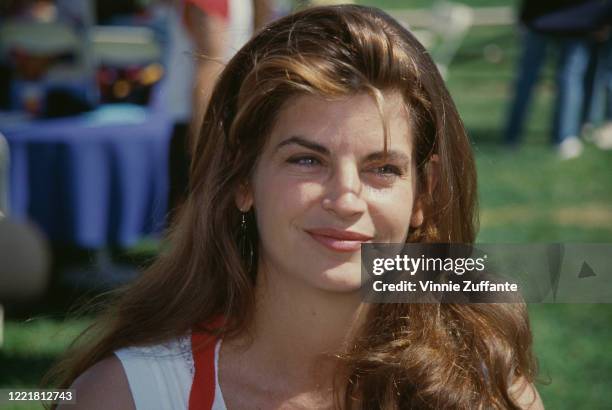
pixel 298 140
pixel 391 155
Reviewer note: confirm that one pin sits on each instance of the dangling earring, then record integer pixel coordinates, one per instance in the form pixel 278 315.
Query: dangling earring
pixel 244 243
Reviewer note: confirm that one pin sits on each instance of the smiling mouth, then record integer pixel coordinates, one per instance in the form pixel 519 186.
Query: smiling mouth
pixel 339 241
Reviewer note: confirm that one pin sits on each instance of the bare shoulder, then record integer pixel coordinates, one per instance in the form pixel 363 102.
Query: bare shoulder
pixel 526 395
pixel 102 386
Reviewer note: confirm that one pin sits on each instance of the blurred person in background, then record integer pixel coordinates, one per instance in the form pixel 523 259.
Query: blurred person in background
pixel 204 34
pixel 534 47
pixel 599 110
pixel 574 29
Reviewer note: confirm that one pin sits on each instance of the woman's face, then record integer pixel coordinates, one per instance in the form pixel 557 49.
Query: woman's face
pixel 322 186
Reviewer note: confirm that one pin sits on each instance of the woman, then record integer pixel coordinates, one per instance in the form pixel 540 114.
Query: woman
pixel 330 128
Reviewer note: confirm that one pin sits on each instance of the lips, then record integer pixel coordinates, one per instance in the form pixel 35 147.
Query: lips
pixel 339 240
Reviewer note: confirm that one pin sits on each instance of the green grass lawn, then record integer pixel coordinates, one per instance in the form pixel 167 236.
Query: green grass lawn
pixel 527 195
pixel 530 196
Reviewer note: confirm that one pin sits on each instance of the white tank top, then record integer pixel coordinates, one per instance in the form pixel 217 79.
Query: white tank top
pixel 160 376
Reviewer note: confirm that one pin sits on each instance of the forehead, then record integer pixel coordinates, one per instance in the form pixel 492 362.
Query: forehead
pixel 356 120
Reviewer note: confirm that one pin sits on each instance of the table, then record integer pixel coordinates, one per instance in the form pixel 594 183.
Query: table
pixel 94 180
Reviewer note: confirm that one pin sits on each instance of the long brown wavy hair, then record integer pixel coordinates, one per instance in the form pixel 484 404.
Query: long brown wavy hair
pixel 406 356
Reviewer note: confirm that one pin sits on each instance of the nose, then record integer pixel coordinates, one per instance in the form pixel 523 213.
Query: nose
pixel 343 194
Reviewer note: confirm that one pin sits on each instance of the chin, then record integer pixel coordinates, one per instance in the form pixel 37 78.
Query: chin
pixel 336 280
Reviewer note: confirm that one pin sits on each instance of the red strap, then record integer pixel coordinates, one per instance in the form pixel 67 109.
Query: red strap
pixel 202 394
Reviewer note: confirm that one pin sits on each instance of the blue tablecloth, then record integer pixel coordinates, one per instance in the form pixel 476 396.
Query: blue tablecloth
pixel 92 180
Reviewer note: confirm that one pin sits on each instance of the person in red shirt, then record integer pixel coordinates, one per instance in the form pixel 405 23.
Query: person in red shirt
pixel 216 34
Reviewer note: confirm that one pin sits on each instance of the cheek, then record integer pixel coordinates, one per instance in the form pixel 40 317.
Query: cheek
pixel 391 212
pixel 284 199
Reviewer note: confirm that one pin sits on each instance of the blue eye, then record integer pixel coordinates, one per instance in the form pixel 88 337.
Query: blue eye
pixel 388 170
pixel 307 161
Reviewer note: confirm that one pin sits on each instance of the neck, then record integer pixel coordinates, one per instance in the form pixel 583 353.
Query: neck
pixel 297 329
